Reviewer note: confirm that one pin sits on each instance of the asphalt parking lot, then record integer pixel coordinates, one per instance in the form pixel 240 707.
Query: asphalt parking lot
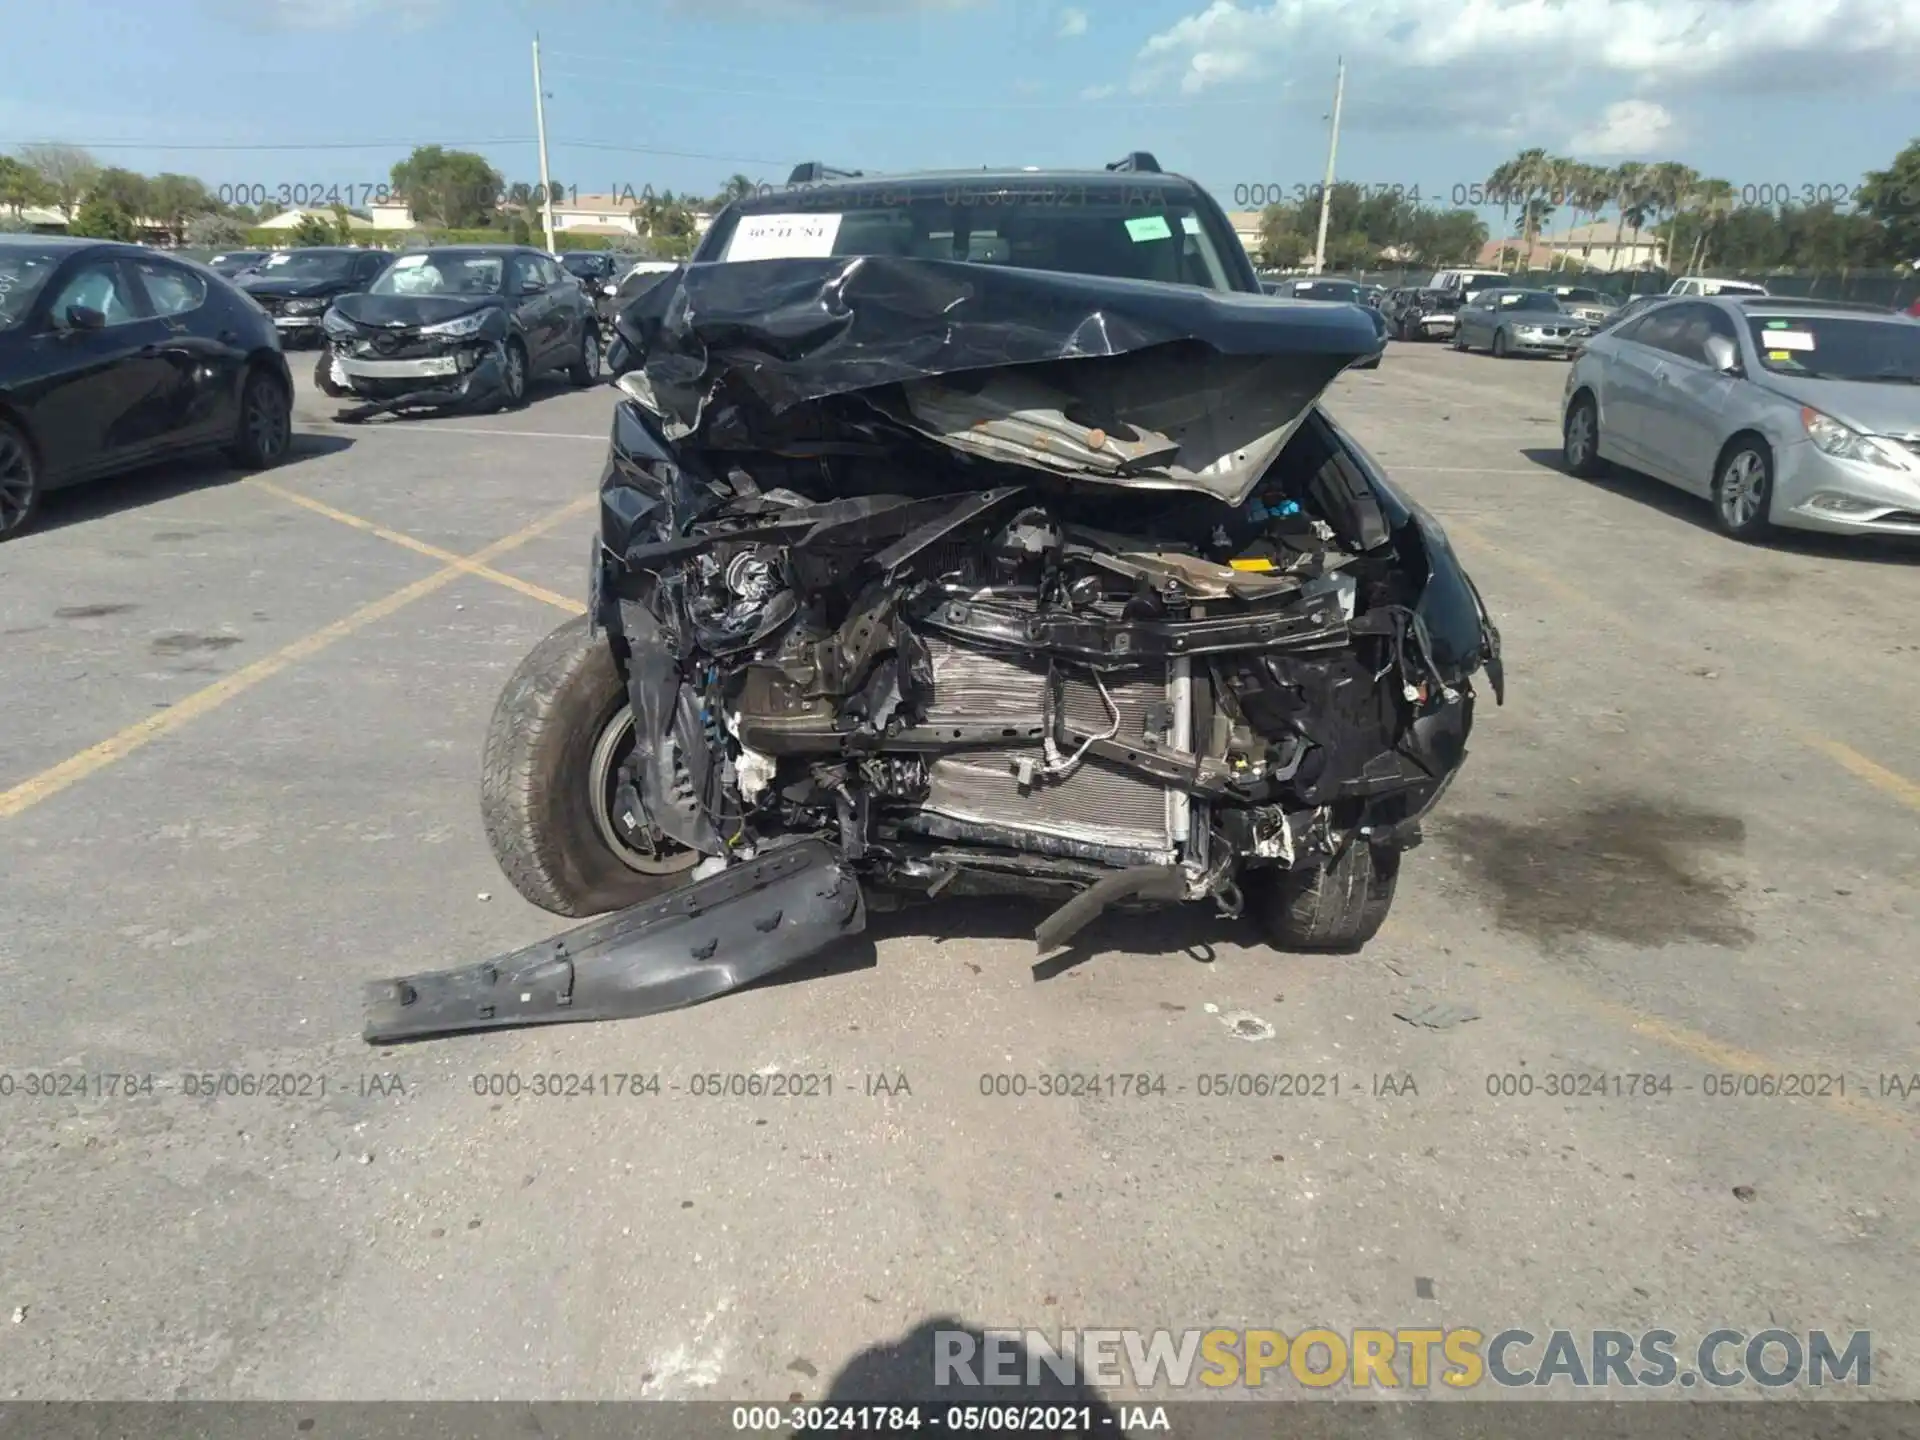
pixel 238 778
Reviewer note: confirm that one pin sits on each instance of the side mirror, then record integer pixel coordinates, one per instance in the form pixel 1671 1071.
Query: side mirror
pixel 531 287
pixel 85 317
pixel 1722 355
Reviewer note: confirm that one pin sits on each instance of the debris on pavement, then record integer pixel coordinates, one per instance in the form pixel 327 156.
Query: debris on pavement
pixel 1435 1014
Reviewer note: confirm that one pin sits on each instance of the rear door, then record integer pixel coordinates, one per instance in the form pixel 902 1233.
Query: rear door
pixel 1686 412
pixel 102 405
pixel 201 401
pixel 1633 371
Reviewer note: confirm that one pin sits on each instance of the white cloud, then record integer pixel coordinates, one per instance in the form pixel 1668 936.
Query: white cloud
pixel 1628 127
pixel 1494 65
pixel 337 14
pixel 1072 23
pixel 814 9
pixel 1099 92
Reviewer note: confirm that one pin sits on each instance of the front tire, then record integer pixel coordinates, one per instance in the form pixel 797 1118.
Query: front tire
pixel 513 375
pixel 552 753
pixel 586 370
pixel 1580 439
pixel 1743 491
pixel 266 422
pixel 19 482
pixel 1499 344
pixel 1337 908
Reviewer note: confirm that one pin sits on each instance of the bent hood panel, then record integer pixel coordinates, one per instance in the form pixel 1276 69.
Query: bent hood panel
pixel 1119 381
pixel 293 289
pixel 377 311
pixel 1866 405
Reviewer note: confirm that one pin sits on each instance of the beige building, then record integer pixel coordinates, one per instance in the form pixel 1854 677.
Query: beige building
pixel 601 215
pixel 1605 246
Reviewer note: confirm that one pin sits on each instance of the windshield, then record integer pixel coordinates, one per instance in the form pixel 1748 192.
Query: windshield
pixel 588 265
pixel 1580 295
pixel 442 272
pixel 1832 347
pixel 309 264
pixel 22 274
pixel 1327 290
pixel 1076 229
pixel 1529 300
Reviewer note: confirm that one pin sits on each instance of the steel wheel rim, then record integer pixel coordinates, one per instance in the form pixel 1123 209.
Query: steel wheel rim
pixel 1740 486
pixel 590 354
pixel 16 483
pixel 610 752
pixel 1579 435
pixel 266 427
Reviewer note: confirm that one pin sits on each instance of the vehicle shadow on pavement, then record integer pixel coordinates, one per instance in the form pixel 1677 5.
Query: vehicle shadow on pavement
pixel 1191 931
pixel 909 1370
pixel 95 499
pixel 1658 495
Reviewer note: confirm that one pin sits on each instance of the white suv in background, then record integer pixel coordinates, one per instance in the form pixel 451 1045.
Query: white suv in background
pixel 1707 285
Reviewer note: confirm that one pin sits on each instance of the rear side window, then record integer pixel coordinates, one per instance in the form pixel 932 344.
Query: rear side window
pixel 172 290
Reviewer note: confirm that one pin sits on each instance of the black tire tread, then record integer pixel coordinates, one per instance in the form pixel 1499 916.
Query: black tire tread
pixel 1594 465
pixel 39 488
pixel 533 800
pixel 243 451
pixel 1338 908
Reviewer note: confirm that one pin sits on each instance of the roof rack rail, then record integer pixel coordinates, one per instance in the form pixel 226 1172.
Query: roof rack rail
pixel 813 170
pixel 1809 302
pixel 1139 160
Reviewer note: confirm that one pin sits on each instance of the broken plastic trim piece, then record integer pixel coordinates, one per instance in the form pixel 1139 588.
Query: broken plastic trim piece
pixel 1142 882
pixel 697 942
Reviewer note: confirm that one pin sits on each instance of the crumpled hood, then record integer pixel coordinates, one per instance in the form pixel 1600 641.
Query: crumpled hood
pixel 1117 381
pixel 399 311
pixel 290 289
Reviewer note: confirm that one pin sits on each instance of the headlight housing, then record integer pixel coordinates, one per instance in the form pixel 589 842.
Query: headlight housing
pixel 460 327
pixel 1843 442
pixel 334 323
pixel 305 307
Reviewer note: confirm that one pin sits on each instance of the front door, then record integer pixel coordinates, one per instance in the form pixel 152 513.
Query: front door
pixel 102 405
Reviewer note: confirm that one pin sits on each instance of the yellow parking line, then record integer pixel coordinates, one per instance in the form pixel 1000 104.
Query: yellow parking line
pixel 117 747
pixel 1888 782
pixel 421 547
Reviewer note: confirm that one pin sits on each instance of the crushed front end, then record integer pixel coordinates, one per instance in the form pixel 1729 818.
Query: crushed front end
pixel 1006 582
pixel 393 365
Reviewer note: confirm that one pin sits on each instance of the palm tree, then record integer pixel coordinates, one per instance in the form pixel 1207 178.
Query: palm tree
pixel 1625 182
pixel 1559 177
pixel 1668 184
pixel 1500 182
pixel 1712 202
pixel 1532 175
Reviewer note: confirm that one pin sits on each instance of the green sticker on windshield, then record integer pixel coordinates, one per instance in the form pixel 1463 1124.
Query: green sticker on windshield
pixel 1778 324
pixel 1150 227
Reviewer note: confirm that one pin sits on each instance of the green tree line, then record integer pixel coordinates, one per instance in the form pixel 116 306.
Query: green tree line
pixel 451 193
pixel 1696 222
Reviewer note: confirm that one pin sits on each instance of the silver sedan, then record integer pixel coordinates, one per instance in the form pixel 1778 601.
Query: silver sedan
pixel 1798 413
pixel 1519 322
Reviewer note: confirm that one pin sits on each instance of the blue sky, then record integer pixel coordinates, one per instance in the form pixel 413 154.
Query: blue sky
pixel 681 93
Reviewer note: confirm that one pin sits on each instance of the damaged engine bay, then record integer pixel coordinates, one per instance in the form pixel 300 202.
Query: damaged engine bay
pixel 1004 583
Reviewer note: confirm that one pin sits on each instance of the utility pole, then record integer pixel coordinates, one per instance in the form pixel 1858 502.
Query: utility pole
pixel 1326 190
pixel 540 124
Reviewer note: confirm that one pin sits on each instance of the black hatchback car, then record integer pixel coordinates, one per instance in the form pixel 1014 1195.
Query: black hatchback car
pixel 113 355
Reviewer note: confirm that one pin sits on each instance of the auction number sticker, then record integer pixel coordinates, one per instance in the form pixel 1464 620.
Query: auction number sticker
pixel 784 237
pixel 1790 340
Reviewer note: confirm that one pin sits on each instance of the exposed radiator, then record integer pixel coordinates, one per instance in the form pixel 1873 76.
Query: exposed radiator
pixel 1098 804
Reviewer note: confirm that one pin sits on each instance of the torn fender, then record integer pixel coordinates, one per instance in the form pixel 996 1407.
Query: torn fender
pixel 699 941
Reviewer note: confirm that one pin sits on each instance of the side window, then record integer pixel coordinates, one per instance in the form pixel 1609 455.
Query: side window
pixel 100 286
pixel 1678 329
pixel 549 272
pixel 520 269
pixel 1720 323
pixel 172 290
pixel 370 268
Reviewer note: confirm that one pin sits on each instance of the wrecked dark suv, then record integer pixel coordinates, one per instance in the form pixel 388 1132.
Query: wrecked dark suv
pixel 959 545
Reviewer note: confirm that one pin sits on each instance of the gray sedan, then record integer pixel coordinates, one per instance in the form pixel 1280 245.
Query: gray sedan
pixel 1796 413
pixel 1519 322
